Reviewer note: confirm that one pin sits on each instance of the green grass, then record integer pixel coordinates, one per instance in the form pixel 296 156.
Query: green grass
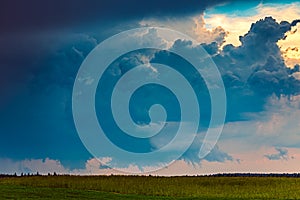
pixel 137 187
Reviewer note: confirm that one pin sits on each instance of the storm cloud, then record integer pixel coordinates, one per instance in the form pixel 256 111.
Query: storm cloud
pixel 40 116
pixel 255 70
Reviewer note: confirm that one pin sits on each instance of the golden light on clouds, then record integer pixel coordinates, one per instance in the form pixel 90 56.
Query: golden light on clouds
pixel 205 35
pixel 239 25
pixel 234 25
pixel 192 26
pixel 290 47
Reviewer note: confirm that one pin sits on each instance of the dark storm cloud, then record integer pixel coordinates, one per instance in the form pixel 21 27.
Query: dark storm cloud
pixel 30 30
pixel 255 70
pixel 39 57
pixel 258 49
pixel 272 75
pixel 40 120
pixel 25 56
pixel 35 14
pixel 247 70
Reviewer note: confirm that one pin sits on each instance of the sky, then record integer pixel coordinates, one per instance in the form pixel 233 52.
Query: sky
pixel 85 87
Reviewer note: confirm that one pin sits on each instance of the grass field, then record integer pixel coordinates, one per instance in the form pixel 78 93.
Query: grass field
pixel 138 187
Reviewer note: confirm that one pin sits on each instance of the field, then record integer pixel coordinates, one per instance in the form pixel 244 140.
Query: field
pixel 142 187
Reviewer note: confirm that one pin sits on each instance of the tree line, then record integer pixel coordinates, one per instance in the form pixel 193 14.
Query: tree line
pixel 296 175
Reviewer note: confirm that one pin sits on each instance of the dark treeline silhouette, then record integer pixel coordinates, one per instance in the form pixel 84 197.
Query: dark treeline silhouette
pixel 255 175
pixel 295 175
pixel 23 174
pixel 8 175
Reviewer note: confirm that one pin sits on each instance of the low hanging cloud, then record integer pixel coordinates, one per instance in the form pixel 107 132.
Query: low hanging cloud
pixel 42 166
pixel 47 165
pixel 281 155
